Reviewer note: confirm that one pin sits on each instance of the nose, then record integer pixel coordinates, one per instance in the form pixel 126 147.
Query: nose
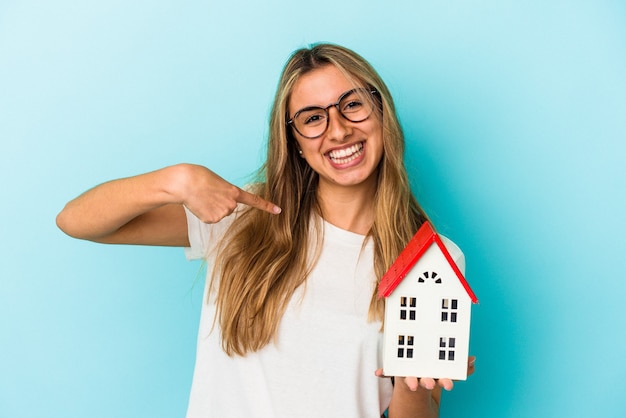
pixel 338 126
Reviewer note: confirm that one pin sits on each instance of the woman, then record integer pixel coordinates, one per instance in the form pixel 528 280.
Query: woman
pixel 291 326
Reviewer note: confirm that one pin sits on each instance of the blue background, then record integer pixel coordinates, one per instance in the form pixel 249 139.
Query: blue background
pixel 515 115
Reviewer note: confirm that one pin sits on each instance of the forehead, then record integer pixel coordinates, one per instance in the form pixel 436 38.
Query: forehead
pixel 319 87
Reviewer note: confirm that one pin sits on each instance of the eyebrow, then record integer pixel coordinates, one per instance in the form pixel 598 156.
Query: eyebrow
pixel 322 107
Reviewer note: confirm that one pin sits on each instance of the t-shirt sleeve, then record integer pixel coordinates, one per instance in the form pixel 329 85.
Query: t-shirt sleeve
pixel 198 237
pixel 203 237
pixel 455 252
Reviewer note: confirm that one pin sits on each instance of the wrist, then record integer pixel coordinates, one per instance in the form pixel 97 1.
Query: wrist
pixel 409 400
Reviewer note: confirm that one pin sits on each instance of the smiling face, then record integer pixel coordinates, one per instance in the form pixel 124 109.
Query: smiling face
pixel 347 154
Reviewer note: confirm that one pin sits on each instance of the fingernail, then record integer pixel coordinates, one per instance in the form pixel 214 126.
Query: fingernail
pixel 277 210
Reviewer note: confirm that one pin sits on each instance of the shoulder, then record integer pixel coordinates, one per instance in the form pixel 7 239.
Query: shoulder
pixel 455 252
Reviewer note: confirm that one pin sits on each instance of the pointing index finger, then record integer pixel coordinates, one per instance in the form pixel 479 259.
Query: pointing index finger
pixel 257 202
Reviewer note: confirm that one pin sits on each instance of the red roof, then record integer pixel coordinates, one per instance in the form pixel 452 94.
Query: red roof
pixel 417 246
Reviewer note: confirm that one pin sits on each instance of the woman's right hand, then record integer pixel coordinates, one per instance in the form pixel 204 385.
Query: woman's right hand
pixel 211 198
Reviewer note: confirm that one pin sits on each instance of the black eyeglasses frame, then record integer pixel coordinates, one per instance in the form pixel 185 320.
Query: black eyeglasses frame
pixel 371 91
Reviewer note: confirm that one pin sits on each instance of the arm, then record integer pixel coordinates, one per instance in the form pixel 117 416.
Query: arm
pixel 418 402
pixel 148 208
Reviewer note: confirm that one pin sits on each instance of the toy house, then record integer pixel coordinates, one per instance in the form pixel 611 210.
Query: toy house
pixel 427 309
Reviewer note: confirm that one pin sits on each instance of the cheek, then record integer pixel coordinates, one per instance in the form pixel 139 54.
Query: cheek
pixel 379 150
pixel 377 140
pixel 308 147
pixel 299 146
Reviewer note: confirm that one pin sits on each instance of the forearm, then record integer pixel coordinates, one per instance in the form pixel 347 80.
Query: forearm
pixel 106 208
pixel 421 403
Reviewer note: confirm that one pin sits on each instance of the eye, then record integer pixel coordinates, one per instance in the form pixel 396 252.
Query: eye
pixel 353 101
pixel 312 117
pixel 352 105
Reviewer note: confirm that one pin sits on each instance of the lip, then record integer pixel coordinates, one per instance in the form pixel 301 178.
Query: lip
pixel 346 156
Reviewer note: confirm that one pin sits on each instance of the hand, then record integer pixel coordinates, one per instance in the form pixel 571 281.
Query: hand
pixel 211 198
pixel 413 383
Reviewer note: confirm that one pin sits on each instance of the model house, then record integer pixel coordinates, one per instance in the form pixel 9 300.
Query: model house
pixel 427 309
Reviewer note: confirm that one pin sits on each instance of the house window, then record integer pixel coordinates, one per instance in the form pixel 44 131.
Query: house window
pixel 449 310
pixel 432 275
pixel 407 308
pixel 405 346
pixel 447 345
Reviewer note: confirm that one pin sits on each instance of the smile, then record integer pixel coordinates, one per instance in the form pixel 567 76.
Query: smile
pixel 344 156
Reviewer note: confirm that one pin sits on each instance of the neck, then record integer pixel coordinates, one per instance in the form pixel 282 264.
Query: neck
pixel 349 208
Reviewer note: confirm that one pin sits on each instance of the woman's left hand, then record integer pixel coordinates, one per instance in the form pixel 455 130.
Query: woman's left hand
pixel 413 383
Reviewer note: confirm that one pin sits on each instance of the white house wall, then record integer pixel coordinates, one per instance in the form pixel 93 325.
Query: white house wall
pixel 427 328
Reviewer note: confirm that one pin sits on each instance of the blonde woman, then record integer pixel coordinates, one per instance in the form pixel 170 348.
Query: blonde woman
pixel 290 326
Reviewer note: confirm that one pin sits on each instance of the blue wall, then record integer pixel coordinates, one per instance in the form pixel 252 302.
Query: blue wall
pixel 515 114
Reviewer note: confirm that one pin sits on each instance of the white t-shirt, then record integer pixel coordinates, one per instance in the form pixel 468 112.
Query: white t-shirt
pixel 323 362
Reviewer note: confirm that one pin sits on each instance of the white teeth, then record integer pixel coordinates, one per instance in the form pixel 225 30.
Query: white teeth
pixel 346 155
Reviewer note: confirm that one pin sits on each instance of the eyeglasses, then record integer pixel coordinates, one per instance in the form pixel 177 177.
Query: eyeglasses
pixel 355 105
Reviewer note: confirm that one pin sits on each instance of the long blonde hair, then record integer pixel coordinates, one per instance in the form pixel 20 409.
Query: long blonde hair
pixel 264 258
